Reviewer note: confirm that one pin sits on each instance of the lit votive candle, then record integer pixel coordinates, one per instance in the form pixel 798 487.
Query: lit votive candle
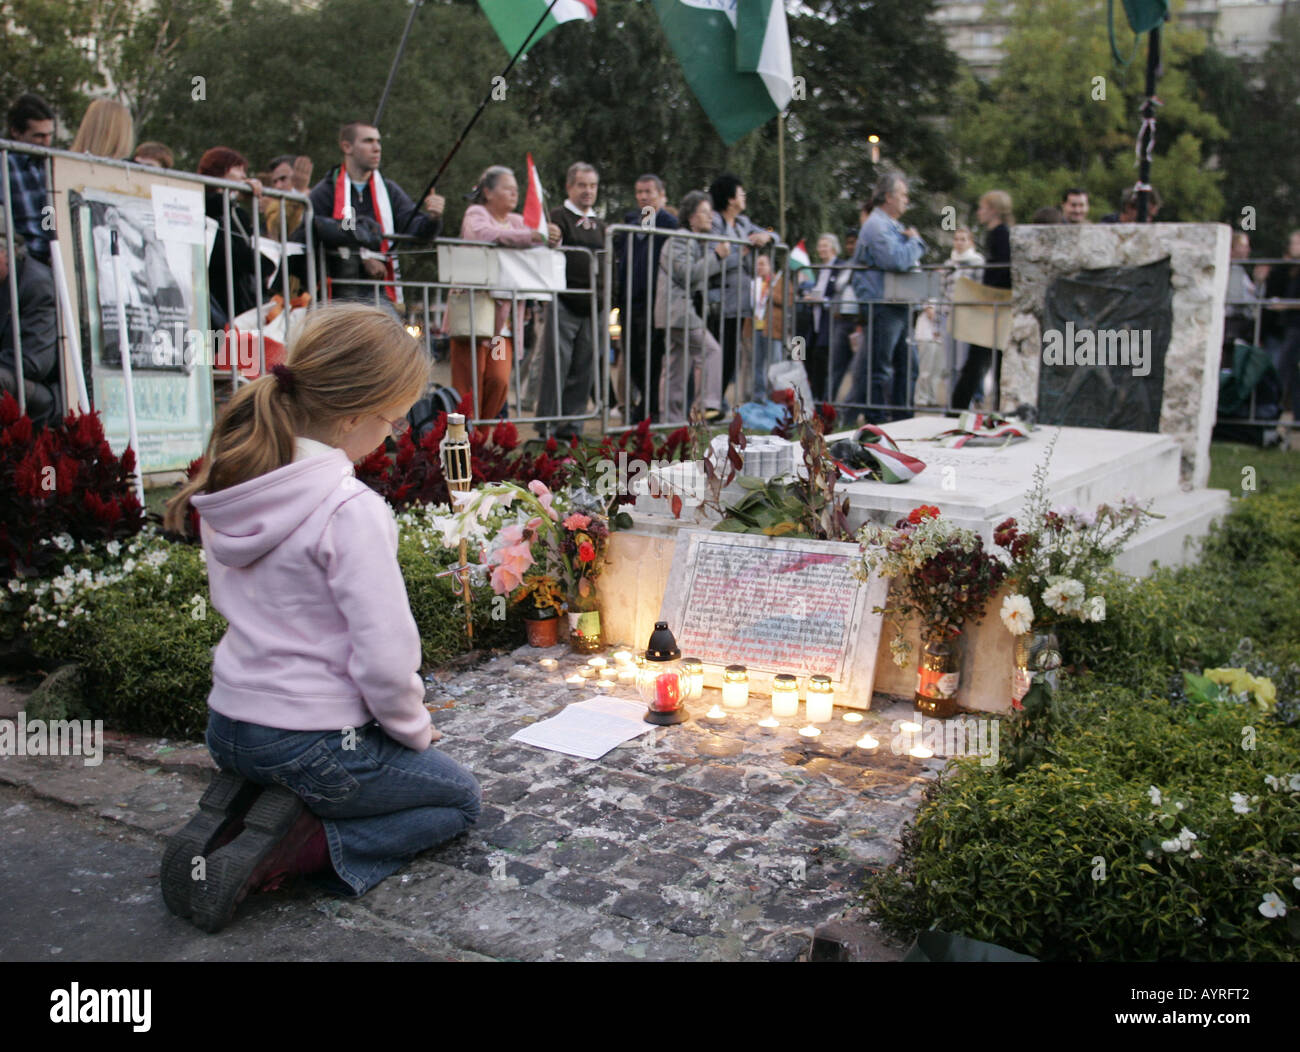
pixel 549 664
pixel 867 742
pixel 717 714
pixel 609 673
pixel 575 681
pixel 785 696
pixel 622 657
pixel 769 723
pixel 810 731
pixel 627 674
pixel 852 717
pixel 920 752
pixel 587 672
pixel 910 727
pixel 735 687
pixel 694 668
pixel 821 700
pixel 597 662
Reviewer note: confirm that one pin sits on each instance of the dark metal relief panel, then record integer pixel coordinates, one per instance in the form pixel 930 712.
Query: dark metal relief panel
pixel 1105 335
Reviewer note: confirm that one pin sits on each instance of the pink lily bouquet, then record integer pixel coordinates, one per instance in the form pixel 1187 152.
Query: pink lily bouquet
pixel 552 541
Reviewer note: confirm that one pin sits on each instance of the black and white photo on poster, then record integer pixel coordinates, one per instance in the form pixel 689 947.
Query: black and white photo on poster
pixel 158 280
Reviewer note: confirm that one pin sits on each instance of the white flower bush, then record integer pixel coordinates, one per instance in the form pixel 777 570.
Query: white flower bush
pixel 62 598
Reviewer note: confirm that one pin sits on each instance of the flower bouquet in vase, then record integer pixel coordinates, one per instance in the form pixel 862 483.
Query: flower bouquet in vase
pixel 1057 560
pixel 940 576
pixel 550 554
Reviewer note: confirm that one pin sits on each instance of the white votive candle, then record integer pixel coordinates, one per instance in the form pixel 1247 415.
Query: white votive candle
pixel 575 681
pixel 809 731
pixel 867 742
pixel 548 664
pixel 587 672
pixel 920 752
pixel 627 674
pixel 785 696
pixel 735 687
pixel 622 657
pixel 821 700
pixel 769 723
pixel 597 662
pixel 910 727
pixel 717 713
pixel 609 673
pixel 852 717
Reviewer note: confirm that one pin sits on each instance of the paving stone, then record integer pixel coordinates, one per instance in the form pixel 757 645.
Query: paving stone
pixel 682 802
pixel 634 824
pixel 524 833
pixel 581 891
pixel 509 759
pixel 489 818
pixel 688 922
pixel 719 778
pixel 640 905
pixel 658 868
pixel 743 816
pixel 818 800
pixel 505 790
pixel 588 855
pixel 812 829
pixel 834 771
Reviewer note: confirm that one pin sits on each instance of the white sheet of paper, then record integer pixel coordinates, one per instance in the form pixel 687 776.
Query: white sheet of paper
pixel 178 214
pixel 587 728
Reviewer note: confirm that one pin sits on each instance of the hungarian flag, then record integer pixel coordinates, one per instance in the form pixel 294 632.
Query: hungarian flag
pixel 799 256
pixel 513 20
pixel 534 203
pixel 736 58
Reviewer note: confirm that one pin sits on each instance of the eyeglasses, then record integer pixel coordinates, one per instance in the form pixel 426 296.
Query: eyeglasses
pixel 399 427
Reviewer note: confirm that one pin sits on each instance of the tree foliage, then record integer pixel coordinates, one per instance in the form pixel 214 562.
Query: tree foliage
pixel 1061 112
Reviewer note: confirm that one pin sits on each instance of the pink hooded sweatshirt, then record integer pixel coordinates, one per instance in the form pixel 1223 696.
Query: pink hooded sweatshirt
pixel 302 562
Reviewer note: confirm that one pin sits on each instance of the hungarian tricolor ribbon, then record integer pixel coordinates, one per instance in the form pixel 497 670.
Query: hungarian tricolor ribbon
pixel 890 464
pixel 384 212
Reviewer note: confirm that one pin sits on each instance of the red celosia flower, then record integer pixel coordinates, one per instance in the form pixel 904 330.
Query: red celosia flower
pixel 586 552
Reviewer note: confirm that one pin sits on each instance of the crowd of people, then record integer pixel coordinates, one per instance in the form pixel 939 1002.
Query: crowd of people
pixel 706 306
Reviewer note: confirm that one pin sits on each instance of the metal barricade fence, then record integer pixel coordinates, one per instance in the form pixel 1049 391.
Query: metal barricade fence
pixel 62 266
pixel 1262 322
pixel 668 359
pixel 542 376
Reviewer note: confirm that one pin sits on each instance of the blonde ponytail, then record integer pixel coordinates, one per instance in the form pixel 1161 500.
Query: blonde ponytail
pixel 348 359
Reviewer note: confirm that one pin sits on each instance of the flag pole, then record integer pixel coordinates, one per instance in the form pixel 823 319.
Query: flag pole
pixel 401 48
pixel 780 175
pixel 483 105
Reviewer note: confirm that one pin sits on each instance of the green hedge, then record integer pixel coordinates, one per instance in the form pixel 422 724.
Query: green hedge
pixel 145 638
pixel 1018 860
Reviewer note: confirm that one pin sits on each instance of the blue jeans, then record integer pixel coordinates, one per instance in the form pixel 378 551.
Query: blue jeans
pixel 873 373
pixel 380 802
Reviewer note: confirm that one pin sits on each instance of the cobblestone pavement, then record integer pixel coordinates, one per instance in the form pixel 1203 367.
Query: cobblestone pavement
pixel 696 842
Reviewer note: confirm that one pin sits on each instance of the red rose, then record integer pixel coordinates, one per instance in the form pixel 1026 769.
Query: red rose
pixel 586 552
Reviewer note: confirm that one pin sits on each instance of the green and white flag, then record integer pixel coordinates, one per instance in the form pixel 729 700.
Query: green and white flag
pixel 513 20
pixel 736 57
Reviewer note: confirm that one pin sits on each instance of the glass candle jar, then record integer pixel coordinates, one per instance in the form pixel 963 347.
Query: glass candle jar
pixel 821 699
pixel 660 681
pixel 785 696
pixel 693 678
pixel 735 687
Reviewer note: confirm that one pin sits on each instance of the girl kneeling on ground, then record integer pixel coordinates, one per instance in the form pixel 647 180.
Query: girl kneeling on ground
pixel 317 718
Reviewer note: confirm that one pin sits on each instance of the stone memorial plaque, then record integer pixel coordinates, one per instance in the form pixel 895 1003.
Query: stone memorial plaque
pixel 775 606
pixel 1106 333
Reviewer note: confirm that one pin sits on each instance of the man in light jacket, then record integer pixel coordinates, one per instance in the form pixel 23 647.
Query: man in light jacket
pixel 880 369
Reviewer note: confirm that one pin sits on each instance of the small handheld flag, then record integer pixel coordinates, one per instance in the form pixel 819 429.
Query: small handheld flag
pixel 534 201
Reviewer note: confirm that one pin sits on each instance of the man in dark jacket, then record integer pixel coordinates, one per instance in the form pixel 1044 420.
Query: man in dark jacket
pixel 569 367
pixel 635 273
pixel 37 332
pixel 354 207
